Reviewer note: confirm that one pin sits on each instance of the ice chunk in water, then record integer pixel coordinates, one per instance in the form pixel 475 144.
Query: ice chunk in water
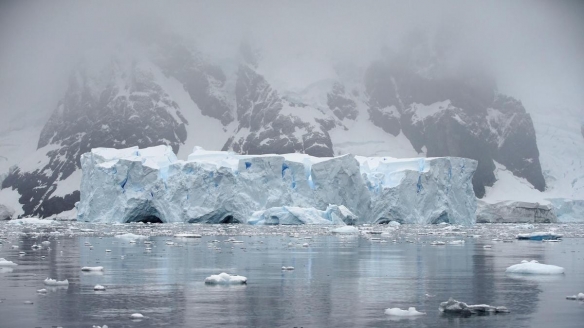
pixel 225 279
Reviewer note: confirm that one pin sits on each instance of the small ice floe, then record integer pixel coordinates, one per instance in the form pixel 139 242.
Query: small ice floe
pixel 99 288
pixel 136 316
pixel 108 250
pixel 453 306
pixel 305 245
pixel 187 235
pixel 534 267
pixel 46 243
pixel 437 243
pixel 131 236
pixel 346 230
pixel 397 312
pixel 579 297
pixel 289 268
pixel 538 236
pixel 88 269
pixel 456 242
pixel 35 246
pixel 28 302
pixel 4 262
pixel 488 246
pixel 225 279
pixel 42 291
pixel 55 282
pixel 169 243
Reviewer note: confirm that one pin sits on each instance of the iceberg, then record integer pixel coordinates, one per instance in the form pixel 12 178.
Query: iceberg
pixel 538 236
pixel 152 185
pixel 5 262
pixel 225 279
pixel 453 306
pixel 54 282
pixel 534 267
pixel 89 269
pixel 410 312
pixel 579 297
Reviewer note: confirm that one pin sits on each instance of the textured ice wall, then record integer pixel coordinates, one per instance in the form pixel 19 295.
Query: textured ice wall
pixel 219 187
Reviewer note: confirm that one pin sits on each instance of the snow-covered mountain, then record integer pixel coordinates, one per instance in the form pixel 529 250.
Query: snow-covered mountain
pixel 401 105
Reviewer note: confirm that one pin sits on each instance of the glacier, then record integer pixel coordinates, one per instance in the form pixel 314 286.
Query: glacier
pixel 152 185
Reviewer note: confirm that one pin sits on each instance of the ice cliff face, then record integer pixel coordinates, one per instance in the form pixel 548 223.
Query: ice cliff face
pixel 151 185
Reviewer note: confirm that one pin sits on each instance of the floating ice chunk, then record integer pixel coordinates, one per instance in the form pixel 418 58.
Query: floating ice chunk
pixel 579 297
pixel 46 243
pixel 453 306
pixel 4 262
pixel 131 236
pixel 54 282
pixel 136 316
pixel 346 230
pixel 31 221
pixel 98 288
pixel 410 312
pixel 187 235
pixel 534 267
pixel 96 268
pixel 289 268
pixel 42 291
pixel 457 242
pixel 539 235
pixel 225 279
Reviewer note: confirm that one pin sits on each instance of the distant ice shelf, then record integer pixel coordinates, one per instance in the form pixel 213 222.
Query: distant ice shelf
pixel 152 185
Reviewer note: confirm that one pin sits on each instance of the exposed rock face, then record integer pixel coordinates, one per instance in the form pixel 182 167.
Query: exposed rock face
pixel 151 185
pixel 269 124
pixel 204 82
pixel 341 105
pixel 455 117
pixel 125 107
pixel 515 212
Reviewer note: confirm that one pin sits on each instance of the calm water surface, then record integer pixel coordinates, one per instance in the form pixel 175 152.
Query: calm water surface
pixel 337 282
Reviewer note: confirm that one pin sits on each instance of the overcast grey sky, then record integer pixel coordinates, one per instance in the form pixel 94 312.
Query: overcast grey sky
pixel 534 48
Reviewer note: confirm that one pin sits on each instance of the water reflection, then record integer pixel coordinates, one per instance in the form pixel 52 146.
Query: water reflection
pixel 337 282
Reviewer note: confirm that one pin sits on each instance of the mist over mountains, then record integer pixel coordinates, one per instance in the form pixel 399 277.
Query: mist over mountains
pixel 325 80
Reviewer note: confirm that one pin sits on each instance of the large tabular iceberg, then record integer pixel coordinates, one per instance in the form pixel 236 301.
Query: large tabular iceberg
pixel 152 185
